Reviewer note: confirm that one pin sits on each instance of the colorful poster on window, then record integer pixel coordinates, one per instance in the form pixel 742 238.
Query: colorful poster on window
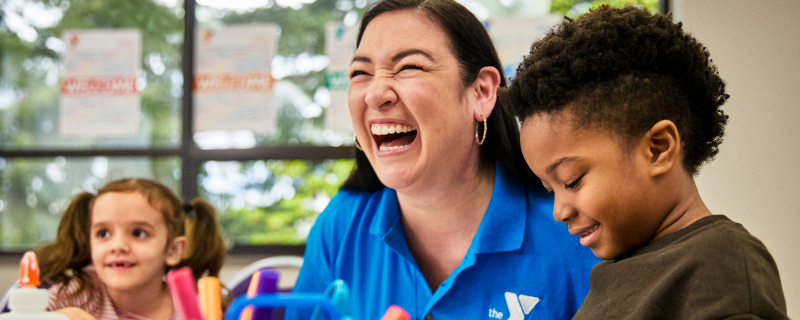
pixel 513 36
pixel 340 45
pixel 233 80
pixel 99 93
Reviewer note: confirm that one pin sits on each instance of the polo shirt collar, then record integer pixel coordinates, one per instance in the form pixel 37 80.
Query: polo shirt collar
pixel 386 224
pixel 388 213
pixel 503 224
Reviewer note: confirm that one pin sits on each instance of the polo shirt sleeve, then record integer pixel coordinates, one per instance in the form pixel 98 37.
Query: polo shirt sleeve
pixel 322 248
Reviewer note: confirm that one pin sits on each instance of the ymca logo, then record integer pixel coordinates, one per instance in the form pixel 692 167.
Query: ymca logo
pixel 518 306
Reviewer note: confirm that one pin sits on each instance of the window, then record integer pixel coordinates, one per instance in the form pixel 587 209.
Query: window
pixel 268 178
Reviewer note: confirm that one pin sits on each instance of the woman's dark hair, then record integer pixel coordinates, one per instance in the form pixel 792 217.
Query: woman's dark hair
pixel 473 48
pixel 624 70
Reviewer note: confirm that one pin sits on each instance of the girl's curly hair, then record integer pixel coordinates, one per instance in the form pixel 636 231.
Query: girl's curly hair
pixel 624 69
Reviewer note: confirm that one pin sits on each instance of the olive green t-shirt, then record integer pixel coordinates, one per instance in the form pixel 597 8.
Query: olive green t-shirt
pixel 711 269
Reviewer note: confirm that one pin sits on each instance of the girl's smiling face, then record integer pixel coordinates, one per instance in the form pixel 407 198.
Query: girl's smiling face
pixel 407 101
pixel 603 191
pixel 129 242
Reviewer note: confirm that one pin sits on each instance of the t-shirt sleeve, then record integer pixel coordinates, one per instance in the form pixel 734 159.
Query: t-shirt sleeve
pixel 766 293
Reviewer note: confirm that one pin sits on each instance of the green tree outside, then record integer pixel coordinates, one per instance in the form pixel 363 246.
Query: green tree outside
pixel 33 192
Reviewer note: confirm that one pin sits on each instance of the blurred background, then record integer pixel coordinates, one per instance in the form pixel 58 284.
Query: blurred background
pixel 282 177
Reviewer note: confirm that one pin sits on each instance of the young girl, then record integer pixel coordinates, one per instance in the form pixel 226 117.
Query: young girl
pixel 113 249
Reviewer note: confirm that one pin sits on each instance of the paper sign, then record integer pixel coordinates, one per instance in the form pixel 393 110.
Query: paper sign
pixel 233 78
pixel 99 96
pixel 340 45
pixel 513 36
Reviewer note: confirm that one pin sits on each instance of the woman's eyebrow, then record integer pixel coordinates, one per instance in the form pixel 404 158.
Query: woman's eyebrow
pixel 360 59
pixel 396 57
pixel 410 52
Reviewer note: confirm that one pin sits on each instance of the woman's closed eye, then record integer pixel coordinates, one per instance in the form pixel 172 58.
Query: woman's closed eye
pixel 410 67
pixel 356 73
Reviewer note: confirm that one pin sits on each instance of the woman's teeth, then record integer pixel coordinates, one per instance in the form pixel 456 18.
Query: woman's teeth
pixel 379 129
pixel 392 137
pixel 385 148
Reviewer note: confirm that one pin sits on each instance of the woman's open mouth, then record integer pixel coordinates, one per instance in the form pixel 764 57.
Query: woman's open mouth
pixel 393 137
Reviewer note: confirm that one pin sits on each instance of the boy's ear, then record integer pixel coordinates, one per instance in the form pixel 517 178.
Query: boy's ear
pixel 662 147
pixel 485 89
pixel 175 250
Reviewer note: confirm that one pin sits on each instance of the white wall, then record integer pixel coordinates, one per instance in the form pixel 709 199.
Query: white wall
pixel 755 179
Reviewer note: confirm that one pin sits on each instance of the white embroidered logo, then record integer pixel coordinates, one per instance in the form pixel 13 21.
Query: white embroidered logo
pixel 520 306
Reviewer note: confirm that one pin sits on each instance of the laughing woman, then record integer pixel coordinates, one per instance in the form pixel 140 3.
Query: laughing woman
pixel 441 216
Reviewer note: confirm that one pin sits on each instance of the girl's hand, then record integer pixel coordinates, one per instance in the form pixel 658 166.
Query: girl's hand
pixel 74 313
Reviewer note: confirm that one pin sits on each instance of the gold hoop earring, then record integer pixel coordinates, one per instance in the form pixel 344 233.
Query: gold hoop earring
pixel 480 140
pixel 355 141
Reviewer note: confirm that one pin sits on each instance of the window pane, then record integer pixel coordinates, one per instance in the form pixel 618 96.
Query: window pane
pixel 32 73
pixel 299 101
pixel 273 201
pixel 307 102
pixel 259 202
pixel 35 192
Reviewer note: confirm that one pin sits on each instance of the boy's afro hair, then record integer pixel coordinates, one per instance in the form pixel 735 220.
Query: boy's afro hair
pixel 624 69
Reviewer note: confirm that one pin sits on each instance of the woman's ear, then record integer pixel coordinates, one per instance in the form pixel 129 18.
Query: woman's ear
pixel 175 251
pixel 485 88
pixel 662 147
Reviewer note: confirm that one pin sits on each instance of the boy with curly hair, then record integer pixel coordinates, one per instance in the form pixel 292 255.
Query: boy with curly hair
pixel 620 108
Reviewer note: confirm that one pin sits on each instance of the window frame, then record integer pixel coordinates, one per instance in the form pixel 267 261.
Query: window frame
pixel 192 157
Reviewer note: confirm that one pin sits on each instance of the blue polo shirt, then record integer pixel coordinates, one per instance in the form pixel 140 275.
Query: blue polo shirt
pixel 521 264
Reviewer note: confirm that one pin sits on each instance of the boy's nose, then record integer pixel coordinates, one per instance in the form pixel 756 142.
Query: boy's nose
pixel 562 211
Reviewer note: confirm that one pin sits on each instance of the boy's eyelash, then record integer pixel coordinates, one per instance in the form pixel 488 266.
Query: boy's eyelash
pixel 574 183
